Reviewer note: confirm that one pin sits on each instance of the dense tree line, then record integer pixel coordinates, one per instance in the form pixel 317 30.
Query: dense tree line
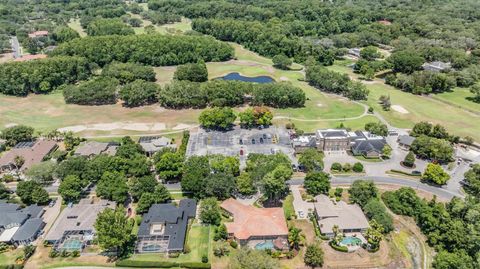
pixel 184 94
pixel 334 82
pixel 42 76
pixel 139 92
pixel 101 27
pixel 155 50
pixel 451 228
pixel 98 91
pixel 129 72
pixel 433 149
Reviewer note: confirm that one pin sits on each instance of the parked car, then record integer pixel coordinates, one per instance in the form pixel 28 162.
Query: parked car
pixel 417 173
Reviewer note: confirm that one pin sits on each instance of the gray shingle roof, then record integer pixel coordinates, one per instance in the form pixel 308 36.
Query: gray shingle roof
pixel 406 140
pixel 174 218
pixel 364 146
pixel 29 230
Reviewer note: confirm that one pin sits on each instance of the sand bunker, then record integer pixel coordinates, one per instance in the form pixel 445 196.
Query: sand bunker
pixel 182 126
pixel 140 127
pixel 400 109
pixel 10 125
pixel 284 79
pixel 319 104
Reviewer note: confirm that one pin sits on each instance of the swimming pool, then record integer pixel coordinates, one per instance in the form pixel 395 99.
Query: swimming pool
pixel 268 244
pixel 351 241
pixel 72 245
pixel 237 76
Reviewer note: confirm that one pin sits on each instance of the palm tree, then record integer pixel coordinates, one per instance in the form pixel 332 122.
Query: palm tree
pixel 294 237
pixel 18 162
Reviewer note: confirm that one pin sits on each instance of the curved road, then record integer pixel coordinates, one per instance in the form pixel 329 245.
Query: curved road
pixel 440 192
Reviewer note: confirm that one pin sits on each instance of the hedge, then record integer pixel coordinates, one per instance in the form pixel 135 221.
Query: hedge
pixel 162 264
pixel 404 173
pixel 11 266
pixel 338 248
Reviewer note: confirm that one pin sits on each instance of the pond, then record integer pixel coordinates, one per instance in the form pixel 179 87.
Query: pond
pixel 237 76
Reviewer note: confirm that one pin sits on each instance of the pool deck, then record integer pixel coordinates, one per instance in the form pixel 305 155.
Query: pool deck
pixel 356 235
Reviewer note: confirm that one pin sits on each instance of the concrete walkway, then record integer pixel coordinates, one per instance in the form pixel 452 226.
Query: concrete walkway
pixel 302 208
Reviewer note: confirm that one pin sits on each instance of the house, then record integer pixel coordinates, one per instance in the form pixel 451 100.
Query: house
pixel 164 227
pixel 367 144
pixel 20 226
pixel 348 217
pixel 30 57
pixel 38 34
pixel 32 153
pixel 153 144
pixel 74 229
pixel 333 140
pixel 304 142
pixel 259 228
pixel 241 142
pixel 437 66
pixel 405 141
pixel 93 148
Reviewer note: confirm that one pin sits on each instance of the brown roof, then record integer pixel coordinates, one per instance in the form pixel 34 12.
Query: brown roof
pixel 251 221
pixel 32 155
pixel 30 57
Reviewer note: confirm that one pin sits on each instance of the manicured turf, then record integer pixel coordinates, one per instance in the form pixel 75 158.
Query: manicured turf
pixel 75 25
pixel 457 120
pixel 458 97
pixel 198 240
pixel 288 207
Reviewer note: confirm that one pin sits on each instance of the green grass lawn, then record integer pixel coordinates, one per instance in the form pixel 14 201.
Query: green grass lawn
pixel 198 239
pixel 75 25
pixel 9 257
pixel 288 207
pixel 458 97
pixel 372 160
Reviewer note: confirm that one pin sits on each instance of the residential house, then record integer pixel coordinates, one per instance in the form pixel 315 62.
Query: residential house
pixel 405 141
pixel 20 226
pixel 349 218
pixel 32 153
pixel 38 34
pixel 93 148
pixel 74 227
pixel 354 52
pixel 164 227
pixel 259 228
pixel 437 66
pixel 153 144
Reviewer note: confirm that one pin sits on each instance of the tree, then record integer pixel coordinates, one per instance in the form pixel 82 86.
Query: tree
pixel 421 128
pixel 196 72
pixel 377 128
pixel 409 160
pixel 113 186
pixel 18 161
pixel 386 151
pixel 129 72
pixel 225 164
pixel 357 167
pixel 97 91
pixel 70 188
pixel 221 233
pixel 282 62
pixel 170 166
pixel 435 149
pixel 139 93
pixel 317 183
pixel 385 102
pixel 158 196
pixel 113 26
pixel 313 256
pixel 76 165
pixel 406 61
pixel 369 53
pixel 217 118
pixel 337 167
pixel 210 211
pixel 247 258
pixel 255 117
pixel 311 160
pixel 42 172
pixel 434 173
pixel 64 34
pixel 196 170
pixel 31 192
pixel 362 191
pixel 475 89
pixel 70 140
pixel 245 184
pixel 375 210
pixel 294 237
pixel 17 133
pixel 141 185
pixel 220 185
pixel 114 230
pixel 455 260
pixel 374 235
pixel 4 192
pixel 472 178
pixel 128 148
pixel 274 183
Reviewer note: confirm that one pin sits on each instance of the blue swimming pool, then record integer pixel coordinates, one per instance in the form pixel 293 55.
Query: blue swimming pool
pixel 237 76
pixel 351 241
pixel 268 244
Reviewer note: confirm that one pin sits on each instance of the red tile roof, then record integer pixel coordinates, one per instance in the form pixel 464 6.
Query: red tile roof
pixel 32 155
pixel 251 221
pixel 31 57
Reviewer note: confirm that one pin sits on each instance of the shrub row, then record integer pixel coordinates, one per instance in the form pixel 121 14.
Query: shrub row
pixel 162 264
pixel 404 173
pixel 337 247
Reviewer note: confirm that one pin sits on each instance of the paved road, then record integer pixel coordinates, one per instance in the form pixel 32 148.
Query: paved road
pixel 440 192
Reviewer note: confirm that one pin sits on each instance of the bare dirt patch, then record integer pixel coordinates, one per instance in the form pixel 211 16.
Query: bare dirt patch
pixel 400 109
